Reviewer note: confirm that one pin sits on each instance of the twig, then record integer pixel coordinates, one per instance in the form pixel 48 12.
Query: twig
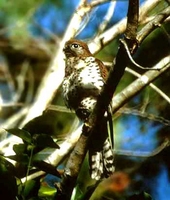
pixel 59 108
pixel 13 120
pixel 57 156
pixel 107 18
pixel 134 88
pixel 156 151
pixel 55 74
pixel 153 24
pixel 149 116
pixel 165 33
pixel 154 87
pixel 21 81
pixel 30 90
pixel 95 3
pixel 10 82
pixel 120 27
pixel 132 60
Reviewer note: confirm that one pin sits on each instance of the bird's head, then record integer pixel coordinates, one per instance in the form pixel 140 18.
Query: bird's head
pixel 76 48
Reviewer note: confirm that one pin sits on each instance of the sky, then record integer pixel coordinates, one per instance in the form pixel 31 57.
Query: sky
pixel 52 18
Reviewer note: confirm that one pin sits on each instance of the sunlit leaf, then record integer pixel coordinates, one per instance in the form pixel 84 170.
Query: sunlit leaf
pixel 46 191
pixel 22 158
pixel 44 140
pixel 31 188
pixel 21 133
pixel 19 148
pixel 5 165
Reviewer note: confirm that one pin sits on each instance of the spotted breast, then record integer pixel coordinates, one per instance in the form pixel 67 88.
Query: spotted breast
pixel 84 78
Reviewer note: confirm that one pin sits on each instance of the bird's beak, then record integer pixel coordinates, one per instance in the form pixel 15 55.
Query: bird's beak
pixel 65 49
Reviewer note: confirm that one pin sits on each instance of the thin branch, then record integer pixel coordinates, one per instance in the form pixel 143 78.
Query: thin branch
pixel 130 111
pixel 58 108
pixel 55 74
pixel 120 27
pixel 156 151
pixel 21 81
pixel 107 18
pixel 57 156
pixel 30 90
pixel 165 144
pixel 14 119
pixel 95 3
pixel 134 88
pixel 7 74
pixel 131 59
pixel 159 19
pixel 154 87
pixel 165 32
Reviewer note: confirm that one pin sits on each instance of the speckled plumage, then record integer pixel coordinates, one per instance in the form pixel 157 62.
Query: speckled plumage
pixel 84 78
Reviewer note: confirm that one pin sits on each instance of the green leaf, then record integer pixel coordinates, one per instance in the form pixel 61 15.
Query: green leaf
pixel 19 148
pixel 29 187
pixel 147 196
pixel 24 135
pixel 21 158
pixel 48 168
pixel 6 165
pixel 8 186
pixel 44 140
pixel 46 191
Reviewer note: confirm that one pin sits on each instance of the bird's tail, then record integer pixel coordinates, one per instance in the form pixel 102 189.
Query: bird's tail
pixel 101 154
pixel 101 162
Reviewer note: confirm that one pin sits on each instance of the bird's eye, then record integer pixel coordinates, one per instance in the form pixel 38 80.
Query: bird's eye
pixel 75 46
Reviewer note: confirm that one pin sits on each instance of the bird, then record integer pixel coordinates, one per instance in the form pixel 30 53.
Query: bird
pixel 84 79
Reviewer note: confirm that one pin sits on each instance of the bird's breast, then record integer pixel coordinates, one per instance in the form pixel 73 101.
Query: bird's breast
pixel 84 80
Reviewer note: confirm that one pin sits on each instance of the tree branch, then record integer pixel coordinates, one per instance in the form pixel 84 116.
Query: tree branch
pixel 91 125
pixel 55 73
pixel 134 88
pixel 156 22
pixel 119 28
pixel 132 24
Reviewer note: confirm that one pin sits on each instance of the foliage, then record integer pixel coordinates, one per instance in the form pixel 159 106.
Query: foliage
pixel 27 161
